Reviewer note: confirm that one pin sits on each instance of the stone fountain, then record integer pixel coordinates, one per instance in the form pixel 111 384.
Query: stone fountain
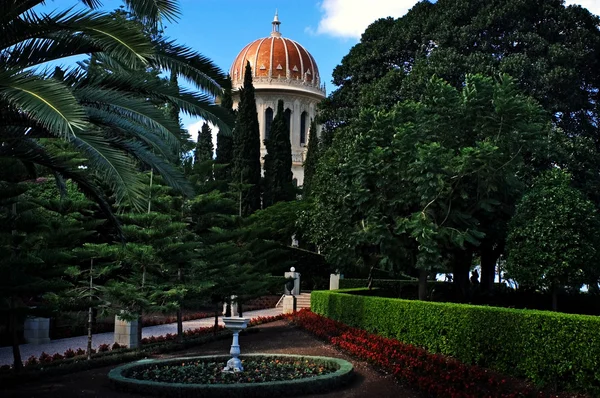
pixel 235 324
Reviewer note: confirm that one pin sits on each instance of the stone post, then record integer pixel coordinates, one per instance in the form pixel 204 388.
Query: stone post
pixel 234 307
pixel 126 332
pixel 37 330
pixel 295 275
pixel 334 281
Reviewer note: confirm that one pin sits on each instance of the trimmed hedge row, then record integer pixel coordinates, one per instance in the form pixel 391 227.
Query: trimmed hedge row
pixel 555 350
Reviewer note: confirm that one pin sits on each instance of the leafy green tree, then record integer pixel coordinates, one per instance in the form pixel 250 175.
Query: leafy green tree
pixel 312 158
pixel 551 50
pixel 551 243
pixel 412 187
pixel 204 148
pixel 278 186
pixel 246 149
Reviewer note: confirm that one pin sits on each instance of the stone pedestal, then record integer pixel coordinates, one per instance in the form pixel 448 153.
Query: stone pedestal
pixel 289 304
pixel 235 324
pixel 37 330
pixel 294 275
pixel 234 307
pixel 126 332
pixel 334 281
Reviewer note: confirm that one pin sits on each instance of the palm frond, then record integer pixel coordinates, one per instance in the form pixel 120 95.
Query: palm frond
pixel 11 9
pixel 172 176
pixel 121 127
pixel 190 102
pixel 114 167
pixel 153 11
pixel 136 109
pixel 190 65
pixel 123 40
pixel 47 101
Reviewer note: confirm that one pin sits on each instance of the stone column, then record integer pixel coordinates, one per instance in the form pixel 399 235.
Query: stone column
pixel 334 281
pixel 37 330
pixel 289 304
pixel 126 332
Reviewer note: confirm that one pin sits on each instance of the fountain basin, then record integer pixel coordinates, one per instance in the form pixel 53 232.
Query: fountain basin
pixel 124 378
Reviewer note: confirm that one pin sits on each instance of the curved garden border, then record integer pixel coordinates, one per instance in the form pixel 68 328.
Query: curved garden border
pixel 311 385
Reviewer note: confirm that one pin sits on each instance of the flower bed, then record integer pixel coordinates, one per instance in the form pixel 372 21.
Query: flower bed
pixel 103 349
pixel 263 376
pixel 209 371
pixel 433 374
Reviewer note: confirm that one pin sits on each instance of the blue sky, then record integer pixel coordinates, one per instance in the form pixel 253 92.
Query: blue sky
pixel 219 29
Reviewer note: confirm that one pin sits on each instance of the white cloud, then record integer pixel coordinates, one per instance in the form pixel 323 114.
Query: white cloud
pixel 592 5
pixel 350 18
pixel 194 128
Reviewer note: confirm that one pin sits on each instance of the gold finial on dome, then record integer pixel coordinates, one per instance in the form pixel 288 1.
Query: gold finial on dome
pixel 275 32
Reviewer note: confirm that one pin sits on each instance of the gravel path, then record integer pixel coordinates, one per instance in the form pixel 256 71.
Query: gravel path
pixel 61 345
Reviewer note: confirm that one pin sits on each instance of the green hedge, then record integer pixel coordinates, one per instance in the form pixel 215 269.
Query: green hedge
pixel 551 349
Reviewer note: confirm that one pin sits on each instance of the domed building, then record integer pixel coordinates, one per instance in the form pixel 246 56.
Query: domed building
pixel 281 69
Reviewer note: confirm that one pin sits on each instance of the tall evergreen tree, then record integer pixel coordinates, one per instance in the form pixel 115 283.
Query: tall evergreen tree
pixel 278 185
pixel 312 158
pixel 246 149
pixel 225 142
pixel 204 146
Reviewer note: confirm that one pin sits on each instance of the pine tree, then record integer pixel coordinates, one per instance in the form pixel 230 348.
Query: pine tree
pixel 278 185
pixel 312 158
pixel 246 149
pixel 224 151
pixel 204 146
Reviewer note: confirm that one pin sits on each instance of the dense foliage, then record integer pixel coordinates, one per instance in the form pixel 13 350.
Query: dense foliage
pixel 277 182
pixel 552 52
pixel 421 187
pixel 246 149
pixel 551 242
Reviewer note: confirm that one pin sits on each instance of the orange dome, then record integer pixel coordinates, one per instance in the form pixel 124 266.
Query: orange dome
pixel 276 57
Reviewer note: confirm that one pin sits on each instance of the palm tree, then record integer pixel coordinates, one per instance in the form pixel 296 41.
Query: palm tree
pixel 108 117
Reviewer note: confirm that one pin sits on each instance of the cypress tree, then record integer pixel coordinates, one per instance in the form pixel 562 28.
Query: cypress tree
pixel 246 149
pixel 312 158
pixel 278 185
pixel 225 142
pixel 204 146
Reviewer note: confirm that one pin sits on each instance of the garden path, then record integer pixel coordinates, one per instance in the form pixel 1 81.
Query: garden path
pixel 273 337
pixel 61 345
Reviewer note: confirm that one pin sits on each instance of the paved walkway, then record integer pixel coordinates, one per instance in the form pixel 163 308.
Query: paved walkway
pixel 61 345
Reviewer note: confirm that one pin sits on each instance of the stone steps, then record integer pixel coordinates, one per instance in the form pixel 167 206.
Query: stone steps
pixel 302 301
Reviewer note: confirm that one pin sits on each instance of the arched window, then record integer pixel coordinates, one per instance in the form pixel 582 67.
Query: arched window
pixel 303 128
pixel 288 119
pixel 268 122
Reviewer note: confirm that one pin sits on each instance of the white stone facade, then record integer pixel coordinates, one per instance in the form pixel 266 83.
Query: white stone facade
pixel 298 103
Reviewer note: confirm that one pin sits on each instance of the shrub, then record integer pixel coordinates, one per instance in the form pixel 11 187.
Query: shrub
pixel 45 358
pixel 103 347
pixel 117 346
pixel 57 357
pixel 69 353
pixel 80 351
pixel 551 349
pixel 31 361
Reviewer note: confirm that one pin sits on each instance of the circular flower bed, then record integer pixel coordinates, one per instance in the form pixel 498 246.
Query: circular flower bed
pixel 263 375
